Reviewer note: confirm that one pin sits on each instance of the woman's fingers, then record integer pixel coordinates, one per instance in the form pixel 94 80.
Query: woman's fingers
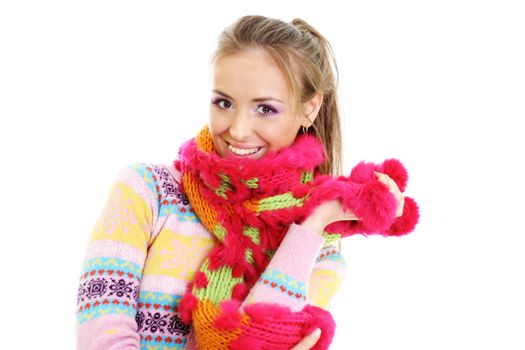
pixel 394 189
pixel 400 205
pixel 309 341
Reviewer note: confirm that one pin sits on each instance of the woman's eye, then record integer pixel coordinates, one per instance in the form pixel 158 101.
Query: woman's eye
pixel 267 110
pixel 264 110
pixel 222 103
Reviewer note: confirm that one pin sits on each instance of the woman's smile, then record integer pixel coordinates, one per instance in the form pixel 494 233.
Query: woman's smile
pixel 244 152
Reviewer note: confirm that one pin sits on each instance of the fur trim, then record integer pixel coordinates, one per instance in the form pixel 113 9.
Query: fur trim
pixel 240 291
pixel 229 318
pixel 264 312
pixel 323 320
pixel 395 169
pixel 186 306
pixel 200 279
pixel 407 222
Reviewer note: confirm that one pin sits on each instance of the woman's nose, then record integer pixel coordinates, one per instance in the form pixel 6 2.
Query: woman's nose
pixel 241 127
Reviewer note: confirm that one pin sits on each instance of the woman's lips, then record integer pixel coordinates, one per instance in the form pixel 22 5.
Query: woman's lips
pixel 249 155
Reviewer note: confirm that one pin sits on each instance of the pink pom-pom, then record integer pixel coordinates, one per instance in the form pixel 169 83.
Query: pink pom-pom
pixel 407 221
pixel 299 191
pixel 216 258
pixel 377 207
pixel 237 271
pixel 362 172
pixel 395 169
pixel 229 318
pixel 186 306
pixel 320 319
pixel 239 292
pixel 201 280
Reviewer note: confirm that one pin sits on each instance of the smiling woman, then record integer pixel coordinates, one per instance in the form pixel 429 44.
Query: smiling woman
pixel 233 245
pixel 271 79
pixel 257 113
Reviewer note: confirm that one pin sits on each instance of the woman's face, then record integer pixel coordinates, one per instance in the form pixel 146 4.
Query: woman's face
pixel 251 111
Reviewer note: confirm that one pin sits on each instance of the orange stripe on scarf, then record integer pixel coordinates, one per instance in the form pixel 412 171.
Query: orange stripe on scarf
pixel 209 336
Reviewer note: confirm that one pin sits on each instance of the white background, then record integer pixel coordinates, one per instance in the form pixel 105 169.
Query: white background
pixel 89 87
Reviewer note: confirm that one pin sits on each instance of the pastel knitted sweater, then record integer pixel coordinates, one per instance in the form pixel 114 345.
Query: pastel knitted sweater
pixel 147 245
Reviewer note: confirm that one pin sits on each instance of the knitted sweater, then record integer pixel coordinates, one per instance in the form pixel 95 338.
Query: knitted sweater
pixel 146 246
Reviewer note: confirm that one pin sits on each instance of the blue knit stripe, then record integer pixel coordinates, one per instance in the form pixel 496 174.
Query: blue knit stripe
pixel 159 298
pixel 146 174
pixel 283 283
pixel 112 263
pixel 164 188
pixel 334 257
pixel 114 306
pixel 163 343
pixel 331 253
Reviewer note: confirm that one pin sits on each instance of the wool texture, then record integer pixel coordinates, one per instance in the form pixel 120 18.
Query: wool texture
pixel 248 204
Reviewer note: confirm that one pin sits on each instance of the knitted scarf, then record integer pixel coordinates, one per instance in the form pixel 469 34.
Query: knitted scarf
pixel 248 205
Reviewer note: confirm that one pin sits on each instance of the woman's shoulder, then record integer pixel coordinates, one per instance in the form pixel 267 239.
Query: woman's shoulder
pixel 164 183
pixel 154 174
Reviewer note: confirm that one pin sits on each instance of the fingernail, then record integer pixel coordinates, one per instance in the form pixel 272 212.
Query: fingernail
pixel 316 333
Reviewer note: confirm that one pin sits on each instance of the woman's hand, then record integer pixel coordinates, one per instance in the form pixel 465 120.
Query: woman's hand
pixel 392 186
pixel 331 211
pixel 309 341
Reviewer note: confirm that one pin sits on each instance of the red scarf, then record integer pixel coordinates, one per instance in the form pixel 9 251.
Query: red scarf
pixel 248 204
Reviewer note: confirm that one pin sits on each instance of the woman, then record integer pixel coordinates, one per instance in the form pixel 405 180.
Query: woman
pixel 185 256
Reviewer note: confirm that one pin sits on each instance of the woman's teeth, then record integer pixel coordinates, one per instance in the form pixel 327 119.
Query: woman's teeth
pixel 243 152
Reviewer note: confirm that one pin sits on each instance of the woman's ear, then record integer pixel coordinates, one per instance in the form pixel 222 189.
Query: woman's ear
pixel 313 106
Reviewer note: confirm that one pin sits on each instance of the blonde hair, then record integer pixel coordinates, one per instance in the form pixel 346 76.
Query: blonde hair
pixel 306 59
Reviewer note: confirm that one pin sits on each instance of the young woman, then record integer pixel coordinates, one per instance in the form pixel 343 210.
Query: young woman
pixel 228 247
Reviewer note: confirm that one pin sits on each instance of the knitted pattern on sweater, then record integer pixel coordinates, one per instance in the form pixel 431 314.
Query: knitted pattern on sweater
pixel 146 247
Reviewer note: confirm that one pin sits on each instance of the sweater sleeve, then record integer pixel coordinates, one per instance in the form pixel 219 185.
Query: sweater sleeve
pixel 112 269
pixel 290 298
pixel 300 273
pixel 327 277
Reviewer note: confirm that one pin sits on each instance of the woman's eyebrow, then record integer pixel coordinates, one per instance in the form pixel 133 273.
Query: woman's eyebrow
pixel 258 99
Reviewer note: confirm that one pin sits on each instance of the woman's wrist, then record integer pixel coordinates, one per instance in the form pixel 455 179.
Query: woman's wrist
pixel 314 223
pixel 325 214
pixel 312 227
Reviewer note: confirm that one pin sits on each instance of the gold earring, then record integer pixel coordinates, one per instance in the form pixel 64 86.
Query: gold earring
pixel 305 129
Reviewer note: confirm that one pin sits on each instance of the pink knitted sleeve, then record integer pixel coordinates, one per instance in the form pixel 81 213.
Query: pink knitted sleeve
pixel 112 270
pixel 286 302
pixel 327 276
pixel 300 272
